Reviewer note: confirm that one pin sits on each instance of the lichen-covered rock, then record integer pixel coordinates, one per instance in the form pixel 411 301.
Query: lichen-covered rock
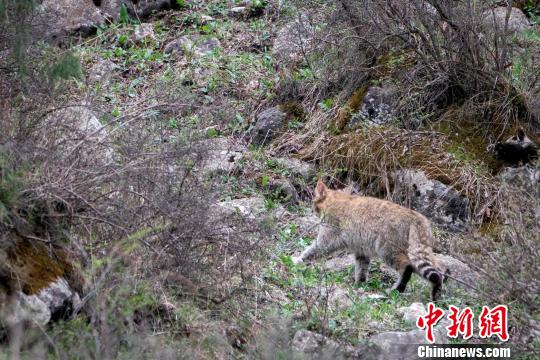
pixel 61 17
pixel 221 155
pixel 35 283
pixel 438 202
pixel 377 107
pixel 267 124
pixel 524 178
pixel 317 346
pixel 192 44
pixel 340 262
pixel 294 40
pixel 284 190
pixel 338 298
pixel 101 73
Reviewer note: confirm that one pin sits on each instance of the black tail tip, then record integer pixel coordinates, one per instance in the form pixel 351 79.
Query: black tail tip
pixel 436 278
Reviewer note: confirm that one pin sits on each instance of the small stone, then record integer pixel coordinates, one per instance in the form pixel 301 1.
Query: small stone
pixel 101 72
pixel 267 125
pixel 339 299
pixel 412 312
pixel 144 32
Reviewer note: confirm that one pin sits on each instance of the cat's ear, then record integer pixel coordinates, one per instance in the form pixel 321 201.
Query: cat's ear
pixel 320 189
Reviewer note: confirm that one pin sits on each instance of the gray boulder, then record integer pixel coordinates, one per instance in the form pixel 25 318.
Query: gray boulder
pixel 412 312
pixel 53 302
pixel 461 271
pixel 294 40
pixel 267 124
pixel 284 190
pixel 101 72
pixel 400 345
pixel 524 178
pixel 440 203
pixel 56 18
pixel 496 19
pixel 220 156
pixel 318 346
pixel 251 208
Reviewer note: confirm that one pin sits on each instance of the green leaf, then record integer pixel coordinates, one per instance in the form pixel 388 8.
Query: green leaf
pixel 124 16
pixel 287 261
pixel 212 132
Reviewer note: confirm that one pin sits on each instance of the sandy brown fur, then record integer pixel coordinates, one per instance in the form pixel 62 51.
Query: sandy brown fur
pixel 374 228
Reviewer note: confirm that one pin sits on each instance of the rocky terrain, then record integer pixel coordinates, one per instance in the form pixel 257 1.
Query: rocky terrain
pixel 159 160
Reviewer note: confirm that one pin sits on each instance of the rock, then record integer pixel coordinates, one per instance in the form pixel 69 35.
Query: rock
pixel 101 72
pixel 284 190
pixel 267 125
pixel 397 344
pixel 206 18
pixel 294 40
pixel 340 263
pixel 74 132
pixel 239 11
pixel 321 347
pixel 144 32
pixel 221 155
pixel 518 149
pixel 51 303
pixel 525 178
pixel 377 106
pixel 412 312
pixel 311 343
pixel 338 298
pixel 458 270
pixel 56 18
pixel 440 203
pixel 194 44
pixel 496 19
pixel 252 208
pixel 297 167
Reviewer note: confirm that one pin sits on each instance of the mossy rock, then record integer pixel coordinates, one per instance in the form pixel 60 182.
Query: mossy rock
pixel 32 265
pixel 344 114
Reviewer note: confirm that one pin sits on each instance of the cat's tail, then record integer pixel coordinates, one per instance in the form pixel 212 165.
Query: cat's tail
pixel 422 258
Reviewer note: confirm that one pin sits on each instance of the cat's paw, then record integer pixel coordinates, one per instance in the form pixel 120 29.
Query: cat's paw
pixel 297 260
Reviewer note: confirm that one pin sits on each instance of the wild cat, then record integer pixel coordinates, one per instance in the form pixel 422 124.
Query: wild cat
pixel 370 228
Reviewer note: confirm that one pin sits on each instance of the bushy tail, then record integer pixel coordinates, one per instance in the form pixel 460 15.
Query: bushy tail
pixel 421 256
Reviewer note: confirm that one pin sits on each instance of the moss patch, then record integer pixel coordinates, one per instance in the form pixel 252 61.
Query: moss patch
pixel 33 266
pixel 345 113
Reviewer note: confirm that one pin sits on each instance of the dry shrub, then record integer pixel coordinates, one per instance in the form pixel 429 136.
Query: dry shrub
pixel 127 204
